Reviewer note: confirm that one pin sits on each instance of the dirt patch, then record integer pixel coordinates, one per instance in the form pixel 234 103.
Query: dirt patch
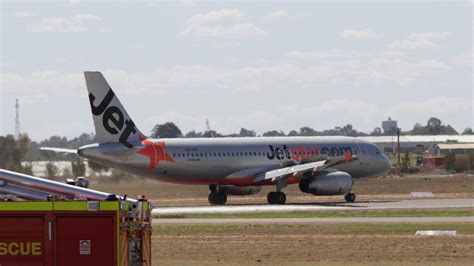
pixel 308 245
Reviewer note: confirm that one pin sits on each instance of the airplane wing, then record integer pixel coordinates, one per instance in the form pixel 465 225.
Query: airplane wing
pixel 303 170
pixel 63 150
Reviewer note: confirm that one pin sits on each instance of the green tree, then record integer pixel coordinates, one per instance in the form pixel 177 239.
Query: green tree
pixel 67 172
pixel 307 131
pixel 470 160
pixel 406 161
pixel 247 133
pixel 51 171
pixel 166 130
pixel 273 133
pixel 293 133
pixel 449 161
pixel 377 132
pixel 434 125
pixel 27 169
pixel 211 134
pixel 10 155
pixel 193 134
pixel 78 168
pixel 468 131
pixel 97 167
pixel 23 142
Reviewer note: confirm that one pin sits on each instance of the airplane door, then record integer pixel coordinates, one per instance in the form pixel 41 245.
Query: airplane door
pixel 364 156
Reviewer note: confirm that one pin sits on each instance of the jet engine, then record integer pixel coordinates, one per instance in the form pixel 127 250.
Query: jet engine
pixel 237 190
pixel 328 183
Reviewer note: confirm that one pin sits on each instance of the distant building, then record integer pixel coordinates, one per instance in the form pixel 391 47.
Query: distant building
pixel 458 149
pixel 389 127
pixel 418 143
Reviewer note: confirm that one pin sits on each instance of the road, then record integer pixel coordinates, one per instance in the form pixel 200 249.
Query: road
pixel 316 220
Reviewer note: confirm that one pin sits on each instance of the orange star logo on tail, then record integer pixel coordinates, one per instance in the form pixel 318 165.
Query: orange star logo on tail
pixel 156 151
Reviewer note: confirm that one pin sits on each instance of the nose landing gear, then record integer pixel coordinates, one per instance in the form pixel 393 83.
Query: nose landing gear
pixel 350 197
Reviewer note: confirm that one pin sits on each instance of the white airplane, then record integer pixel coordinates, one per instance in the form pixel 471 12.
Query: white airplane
pixel 230 166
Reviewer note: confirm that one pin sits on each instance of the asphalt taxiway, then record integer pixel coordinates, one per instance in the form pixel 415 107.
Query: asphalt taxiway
pixel 320 206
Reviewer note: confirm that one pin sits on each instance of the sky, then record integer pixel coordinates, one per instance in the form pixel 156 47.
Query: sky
pixel 261 65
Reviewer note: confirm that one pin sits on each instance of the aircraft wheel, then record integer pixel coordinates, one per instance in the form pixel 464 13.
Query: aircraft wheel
pixel 350 197
pixel 217 198
pixel 276 197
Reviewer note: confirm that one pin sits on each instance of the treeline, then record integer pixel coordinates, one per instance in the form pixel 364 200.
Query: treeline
pixel 433 126
pixel 14 151
pixel 17 155
pixel 170 130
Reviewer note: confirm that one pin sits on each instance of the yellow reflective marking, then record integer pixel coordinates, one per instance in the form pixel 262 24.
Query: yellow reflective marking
pixel 26 206
pixel 109 205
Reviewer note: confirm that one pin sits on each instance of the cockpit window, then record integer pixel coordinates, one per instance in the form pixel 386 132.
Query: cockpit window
pixel 375 149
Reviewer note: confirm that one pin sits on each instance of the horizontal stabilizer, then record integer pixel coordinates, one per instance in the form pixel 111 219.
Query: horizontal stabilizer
pixel 63 150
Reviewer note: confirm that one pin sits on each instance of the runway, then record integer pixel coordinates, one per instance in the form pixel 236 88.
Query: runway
pixel 384 220
pixel 322 206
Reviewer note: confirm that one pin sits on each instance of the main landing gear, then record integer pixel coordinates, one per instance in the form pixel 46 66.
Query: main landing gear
pixel 350 197
pixel 216 197
pixel 278 197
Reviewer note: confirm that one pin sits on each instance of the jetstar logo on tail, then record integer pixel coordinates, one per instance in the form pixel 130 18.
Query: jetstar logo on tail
pixel 113 119
pixel 156 151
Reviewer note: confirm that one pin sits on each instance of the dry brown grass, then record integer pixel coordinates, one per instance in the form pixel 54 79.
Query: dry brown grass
pixel 164 194
pixel 309 244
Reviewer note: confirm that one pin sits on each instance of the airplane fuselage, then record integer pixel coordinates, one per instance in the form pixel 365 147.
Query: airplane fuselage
pixel 233 160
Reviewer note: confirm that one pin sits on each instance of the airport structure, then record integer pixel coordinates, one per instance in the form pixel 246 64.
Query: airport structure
pixel 390 126
pixel 411 143
pixel 457 148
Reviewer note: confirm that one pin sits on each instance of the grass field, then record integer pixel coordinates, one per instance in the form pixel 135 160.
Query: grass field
pixel 337 214
pixel 388 188
pixel 310 244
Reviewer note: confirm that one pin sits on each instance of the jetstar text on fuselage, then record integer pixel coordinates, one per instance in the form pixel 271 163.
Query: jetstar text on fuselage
pixel 298 153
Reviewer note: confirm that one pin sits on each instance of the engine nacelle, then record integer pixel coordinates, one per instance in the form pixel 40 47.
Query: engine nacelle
pixel 332 183
pixel 238 190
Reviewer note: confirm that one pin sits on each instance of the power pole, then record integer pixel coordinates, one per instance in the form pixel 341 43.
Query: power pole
pixel 398 151
pixel 17 119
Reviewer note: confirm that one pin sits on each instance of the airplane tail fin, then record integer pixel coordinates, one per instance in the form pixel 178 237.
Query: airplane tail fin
pixel 111 120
